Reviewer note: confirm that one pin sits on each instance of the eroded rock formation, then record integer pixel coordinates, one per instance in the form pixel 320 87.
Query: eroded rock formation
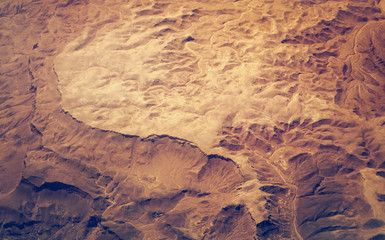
pixel 203 120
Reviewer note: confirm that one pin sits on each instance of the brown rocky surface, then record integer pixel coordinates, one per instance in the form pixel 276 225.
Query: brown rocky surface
pixel 192 120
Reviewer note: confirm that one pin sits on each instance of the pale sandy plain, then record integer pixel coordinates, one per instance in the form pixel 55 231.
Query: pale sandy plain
pixel 192 119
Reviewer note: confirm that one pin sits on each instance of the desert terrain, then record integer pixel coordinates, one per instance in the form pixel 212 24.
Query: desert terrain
pixel 206 119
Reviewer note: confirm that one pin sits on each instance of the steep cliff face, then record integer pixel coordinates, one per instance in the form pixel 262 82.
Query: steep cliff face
pixel 192 120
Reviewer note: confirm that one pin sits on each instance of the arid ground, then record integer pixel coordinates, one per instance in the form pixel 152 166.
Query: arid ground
pixel 201 119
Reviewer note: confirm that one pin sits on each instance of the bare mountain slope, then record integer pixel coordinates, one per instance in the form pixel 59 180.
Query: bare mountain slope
pixel 192 120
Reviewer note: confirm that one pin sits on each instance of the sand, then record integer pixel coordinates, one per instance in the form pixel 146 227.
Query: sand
pixel 141 74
